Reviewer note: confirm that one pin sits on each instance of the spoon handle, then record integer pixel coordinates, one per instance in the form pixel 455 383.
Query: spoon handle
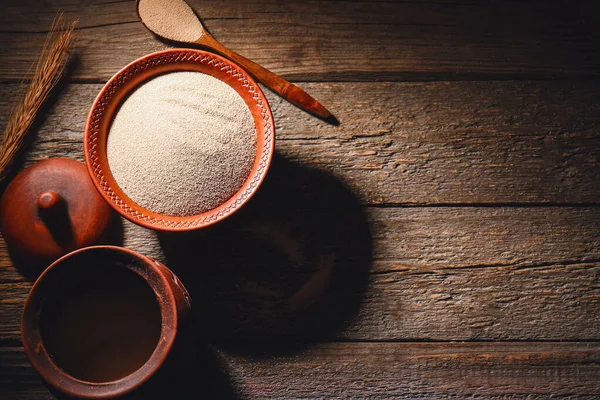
pixel 285 89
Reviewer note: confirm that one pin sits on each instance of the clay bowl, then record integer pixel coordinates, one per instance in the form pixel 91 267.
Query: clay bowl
pixel 124 82
pixel 101 321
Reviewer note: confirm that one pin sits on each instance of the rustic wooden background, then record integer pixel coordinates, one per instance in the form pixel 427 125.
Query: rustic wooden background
pixel 458 200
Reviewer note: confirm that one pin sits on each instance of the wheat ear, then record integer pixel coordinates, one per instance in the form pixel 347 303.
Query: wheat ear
pixel 49 68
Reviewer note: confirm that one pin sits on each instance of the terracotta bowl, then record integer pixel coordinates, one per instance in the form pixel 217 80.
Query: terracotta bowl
pixel 125 81
pixel 83 347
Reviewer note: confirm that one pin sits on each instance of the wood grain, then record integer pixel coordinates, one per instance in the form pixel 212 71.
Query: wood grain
pixel 381 370
pixel 436 273
pixel 417 143
pixel 453 210
pixel 341 41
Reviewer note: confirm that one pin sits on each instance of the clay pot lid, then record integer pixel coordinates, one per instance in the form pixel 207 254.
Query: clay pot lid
pixel 50 209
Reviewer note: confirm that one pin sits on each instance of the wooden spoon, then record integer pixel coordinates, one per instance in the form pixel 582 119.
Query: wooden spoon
pixel 175 20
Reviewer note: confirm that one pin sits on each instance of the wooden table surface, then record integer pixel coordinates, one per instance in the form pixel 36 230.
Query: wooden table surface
pixel 457 201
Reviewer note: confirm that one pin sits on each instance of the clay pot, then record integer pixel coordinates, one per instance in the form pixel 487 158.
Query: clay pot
pixel 50 209
pixel 101 321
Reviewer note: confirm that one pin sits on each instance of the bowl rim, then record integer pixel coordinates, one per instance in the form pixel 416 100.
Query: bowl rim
pixel 65 383
pixel 130 77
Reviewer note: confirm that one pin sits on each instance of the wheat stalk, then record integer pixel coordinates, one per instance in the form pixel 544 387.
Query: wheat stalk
pixel 50 66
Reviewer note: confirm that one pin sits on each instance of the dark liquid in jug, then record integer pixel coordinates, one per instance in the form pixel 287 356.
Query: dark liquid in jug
pixel 102 325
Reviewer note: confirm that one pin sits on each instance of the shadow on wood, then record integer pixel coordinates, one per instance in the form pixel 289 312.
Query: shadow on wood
pixel 289 268
pixel 195 371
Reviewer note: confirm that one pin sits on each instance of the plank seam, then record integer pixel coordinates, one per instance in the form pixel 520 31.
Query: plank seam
pixel 515 266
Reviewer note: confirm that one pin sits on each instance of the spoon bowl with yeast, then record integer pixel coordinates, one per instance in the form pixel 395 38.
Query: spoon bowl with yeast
pixel 176 21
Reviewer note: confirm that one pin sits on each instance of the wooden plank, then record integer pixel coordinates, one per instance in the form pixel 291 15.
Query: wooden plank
pixel 429 273
pixel 341 41
pixel 417 143
pixel 368 370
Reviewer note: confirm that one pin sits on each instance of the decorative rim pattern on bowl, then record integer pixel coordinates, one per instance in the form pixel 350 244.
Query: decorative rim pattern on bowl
pixel 172 223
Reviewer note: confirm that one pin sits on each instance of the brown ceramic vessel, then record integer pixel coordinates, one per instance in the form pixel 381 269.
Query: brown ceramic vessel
pixel 50 209
pixel 172 301
pixel 124 82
